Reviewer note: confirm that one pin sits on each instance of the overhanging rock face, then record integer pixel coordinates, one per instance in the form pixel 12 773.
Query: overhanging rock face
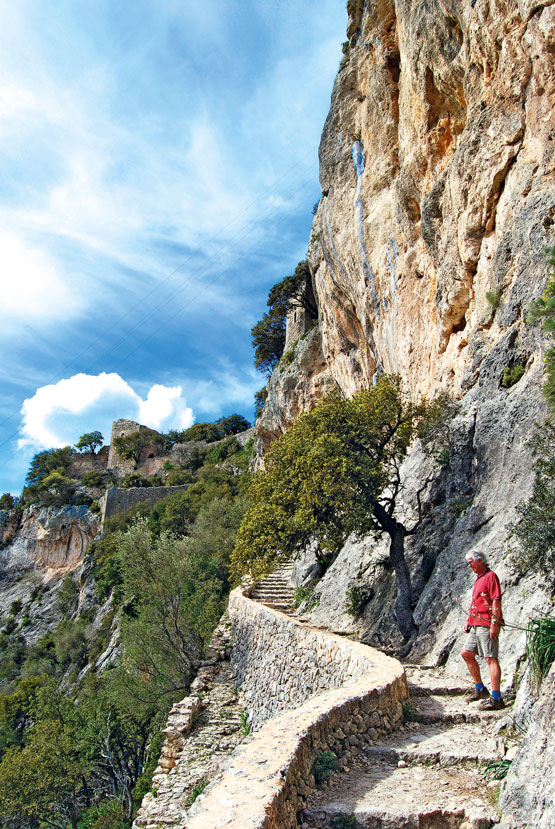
pixel 308 691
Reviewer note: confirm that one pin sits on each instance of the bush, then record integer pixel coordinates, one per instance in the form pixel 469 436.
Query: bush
pixel 179 477
pixel 540 647
pixel 511 376
pixel 132 479
pixel 325 763
pixel 494 297
pixel 534 530
pixel 208 432
pixel 7 501
pixel 94 479
pixel 356 598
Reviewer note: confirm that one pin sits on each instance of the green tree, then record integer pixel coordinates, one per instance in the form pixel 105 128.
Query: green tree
pixel 43 463
pixel 90 442
pixel 41 782
pixel 268 334
pixel 334 473
pixel 7 501
pixel 204 431
pixel 176 600
pixel 132 446
pixel 534 530
pixel 542 311
pixel 234 424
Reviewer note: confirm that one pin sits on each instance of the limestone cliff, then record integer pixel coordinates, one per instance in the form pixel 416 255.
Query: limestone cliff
pixel 39 547
pixel 438 186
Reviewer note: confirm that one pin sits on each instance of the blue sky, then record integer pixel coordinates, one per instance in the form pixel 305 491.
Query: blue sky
pixel 158 168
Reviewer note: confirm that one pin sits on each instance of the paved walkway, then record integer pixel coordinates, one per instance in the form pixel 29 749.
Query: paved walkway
pixel 429 775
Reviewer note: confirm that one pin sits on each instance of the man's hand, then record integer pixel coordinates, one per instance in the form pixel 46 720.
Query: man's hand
pixel 494 631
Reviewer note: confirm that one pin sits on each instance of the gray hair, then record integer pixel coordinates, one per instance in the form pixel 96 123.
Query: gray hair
pixel 477 555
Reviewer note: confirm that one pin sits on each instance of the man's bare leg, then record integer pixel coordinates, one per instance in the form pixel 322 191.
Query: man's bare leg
pixel 494 672
pixel 472 665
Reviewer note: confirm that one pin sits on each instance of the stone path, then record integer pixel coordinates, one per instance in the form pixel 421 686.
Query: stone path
pixel 428 775
pixel 274 590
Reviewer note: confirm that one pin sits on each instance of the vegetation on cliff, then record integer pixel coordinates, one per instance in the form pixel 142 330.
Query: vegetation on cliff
pixel 336 473
pixel 81 710
pixel 268 335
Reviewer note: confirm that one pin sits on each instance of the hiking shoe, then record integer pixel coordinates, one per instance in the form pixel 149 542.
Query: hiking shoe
pixel 492 704
pixel 474 695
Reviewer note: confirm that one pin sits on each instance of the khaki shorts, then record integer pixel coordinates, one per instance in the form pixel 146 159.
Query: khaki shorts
pixel 478 640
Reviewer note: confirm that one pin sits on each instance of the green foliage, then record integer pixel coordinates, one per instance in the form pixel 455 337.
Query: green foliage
pixel 534 531
pixel 245 725
pixel 497 770
pixel 105 815
pixel 494 297
pixel 409 712
pixel 345 822
pixel 15 607
pixel 133 445
pixel 259 401
pixel 208 432
pixel 542 311
pixel 7 501
pixel 95 479
pixel 233 424
pixel 540 647
pixel 268 335
pixel 133 479
pixel 196 791
pixel 512 375
pixel 43 463
pixel 324 476
pixel 90 441
pixel 178 596
pixel 325 763
pixel 180 477
pixel 287 358
pixel 68 594
pixel 304 594
pixel 356 598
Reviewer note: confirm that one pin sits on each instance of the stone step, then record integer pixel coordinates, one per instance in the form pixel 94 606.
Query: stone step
pixel 385 796
pixel 443 745
pixel 444 709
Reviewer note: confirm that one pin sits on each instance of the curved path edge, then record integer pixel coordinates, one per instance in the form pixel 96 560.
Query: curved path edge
pixel 268 777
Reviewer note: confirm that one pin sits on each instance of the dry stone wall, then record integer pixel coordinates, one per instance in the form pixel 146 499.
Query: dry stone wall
pixel 307 692
pixel 120 500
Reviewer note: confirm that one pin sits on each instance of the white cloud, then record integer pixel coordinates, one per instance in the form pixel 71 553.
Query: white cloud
pixel 32 288
pixel 58 414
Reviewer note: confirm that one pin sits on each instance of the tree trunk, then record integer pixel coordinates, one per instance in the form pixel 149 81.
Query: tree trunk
pixel 403 605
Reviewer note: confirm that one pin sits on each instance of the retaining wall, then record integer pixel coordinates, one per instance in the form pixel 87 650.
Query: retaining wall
pixel 120 500
pixel 308 692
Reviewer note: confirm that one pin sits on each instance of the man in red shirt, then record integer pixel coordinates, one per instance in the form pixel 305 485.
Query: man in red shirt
pixel 483 625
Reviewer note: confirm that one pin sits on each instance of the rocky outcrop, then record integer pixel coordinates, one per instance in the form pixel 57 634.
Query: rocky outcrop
pixel 528 794
pixel 53 540
pixel 438 187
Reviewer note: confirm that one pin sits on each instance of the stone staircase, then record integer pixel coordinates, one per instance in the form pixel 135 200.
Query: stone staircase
pixel 274 589
pixel 428 775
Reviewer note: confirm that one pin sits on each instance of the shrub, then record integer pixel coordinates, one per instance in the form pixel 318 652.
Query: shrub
pixel 287 358
pixel 94 479
pixel 179 477
pixel 512 376
pixel 494 297
pixel 196 791
pixel 540 647
pixel 7 501
pixel 132 479
pixel 15 607
pixel 204 431
pixel 356 598
pixel 325 763
pixel 534 530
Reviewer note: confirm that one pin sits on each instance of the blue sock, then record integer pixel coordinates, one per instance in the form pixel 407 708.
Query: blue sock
pixel 479 686
pixel 496 695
